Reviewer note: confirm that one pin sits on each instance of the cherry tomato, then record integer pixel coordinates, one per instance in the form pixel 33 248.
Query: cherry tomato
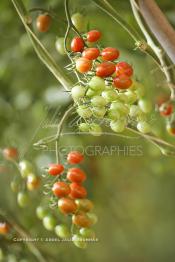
pixel 33 182
pixel 109 54
pixel 4 228
pixel 77 44
pixel 43 22
pixel 79 241
pixel 76 175
pixel 91 53
pixel 171 128
pixel 26 168
pixel 166 109
pixel 67 205
pixel 49 222
pixel 62 231
pixel 81 220
pixel 83 65
pixel 77 191
pixel 122 82
pixel 93 35
pixel 22 199
pixel 105 69
pixel 55 169
pixel 41 212
pixel 79 21
pixel 61 189
pixel 84 204
pixel 74 157
pixel 123 68
pixel 10 153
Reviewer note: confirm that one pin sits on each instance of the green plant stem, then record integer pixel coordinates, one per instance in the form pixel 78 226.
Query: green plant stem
pixel 59 128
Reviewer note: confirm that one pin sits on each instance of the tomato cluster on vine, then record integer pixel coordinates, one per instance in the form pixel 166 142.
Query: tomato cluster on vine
pixel 72 201
pixel 107 89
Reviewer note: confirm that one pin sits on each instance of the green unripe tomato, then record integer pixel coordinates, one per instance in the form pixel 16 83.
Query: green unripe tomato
pixel 145 105
pixel 134 111
pixel 79 21
pixel 84 111
pixel 84 127
pixel 131 97
pixel 77 92
pixel 99 111
pixel 87 232
pixel 26 168
pixel 62 231
pixel 138 88
pixel 79 241
pixel 123 98
pixel 49 222
pixel 118 126
pixel 113 114
pixel 22 199
pixel 98 101
pixel 41 212
pixel 97 83
pixel 14 185
pixel 119 107
pixel 143 127
pixel 91 93
pixel 95 129
pixel 59 45
pixel 109 95
pixel 93 217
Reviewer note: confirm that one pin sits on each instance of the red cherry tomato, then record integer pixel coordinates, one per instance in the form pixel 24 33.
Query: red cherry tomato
pixel 109 53
pixel 171 128
pixel 4 228
pixel 74 157
pixel 77 44
pixel 61 189
pixel 81 220
pixel 67 205
pixel 10 153
pixel 123 68
pixel 76 175
pixel 105 69
pixel 77 191
pixel 55 169
pixel 43 22
pixel 93 35
pixel 122 82
pixel 91 53
pixel 166 109
pixel 83 65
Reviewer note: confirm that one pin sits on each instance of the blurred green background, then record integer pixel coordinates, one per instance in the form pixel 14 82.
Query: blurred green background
pixel 133 193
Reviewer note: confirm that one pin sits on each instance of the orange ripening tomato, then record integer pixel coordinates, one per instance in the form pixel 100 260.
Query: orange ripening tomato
pixel 77 44
pixel 33 182
pixel 91 53
pixel 43 22
pixel 77 191
pixel 4 228
pixel 105 69
pixel 61 189
pixel 75 157
pixel 122 82
pixel 55 169
pixel 93 36
pixel 109 54
pixel 10 153
pixel 123 68
pixel 76 175
pixel 67 205
pixel 81 220
pixel 83 65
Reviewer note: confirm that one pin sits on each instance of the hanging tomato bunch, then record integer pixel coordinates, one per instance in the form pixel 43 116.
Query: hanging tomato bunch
pixel 108 90
pixel 72 201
